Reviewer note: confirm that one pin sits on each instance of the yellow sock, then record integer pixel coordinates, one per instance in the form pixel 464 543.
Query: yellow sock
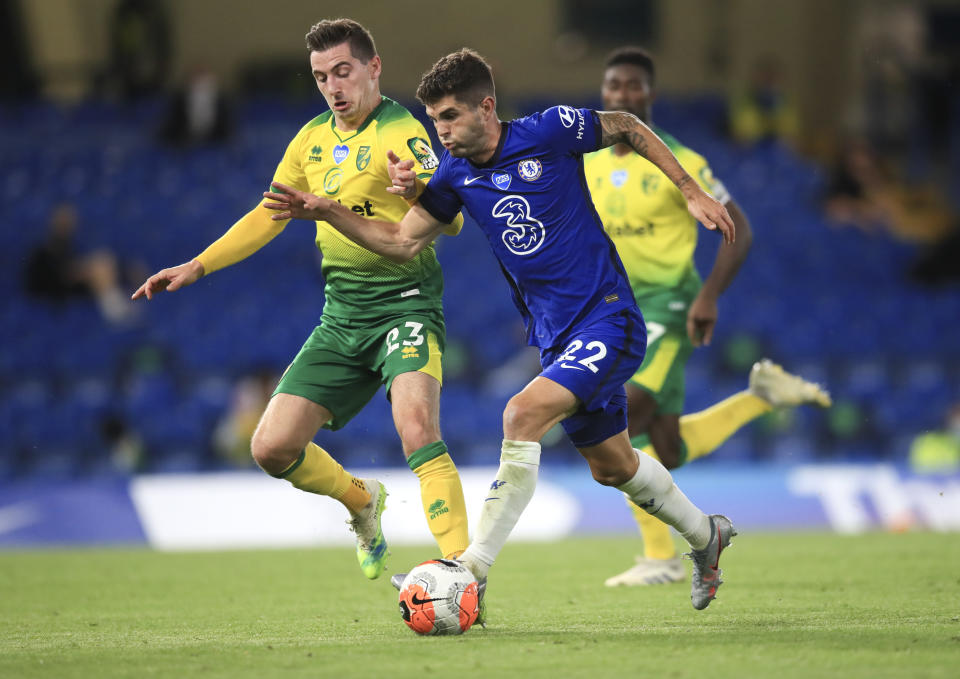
pixel 316 472
pixel 706 431
pixel 657 540
pixel 442 497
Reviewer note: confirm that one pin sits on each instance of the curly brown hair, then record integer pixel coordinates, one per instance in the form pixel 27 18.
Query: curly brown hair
pixel 332 32
pixel 464 74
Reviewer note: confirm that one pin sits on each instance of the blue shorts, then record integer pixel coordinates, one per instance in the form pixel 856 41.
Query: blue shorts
pixel 595 362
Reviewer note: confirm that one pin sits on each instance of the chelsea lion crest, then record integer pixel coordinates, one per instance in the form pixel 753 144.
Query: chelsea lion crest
pixel 529 169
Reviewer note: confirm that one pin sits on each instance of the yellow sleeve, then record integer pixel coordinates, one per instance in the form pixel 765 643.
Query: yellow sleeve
pixel 454 227
pixel 409 140
pixel 698 168
pixel 290 170
pixel 254 230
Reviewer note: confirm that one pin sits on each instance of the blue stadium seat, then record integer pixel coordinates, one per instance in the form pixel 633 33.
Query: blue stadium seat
pixel 828 302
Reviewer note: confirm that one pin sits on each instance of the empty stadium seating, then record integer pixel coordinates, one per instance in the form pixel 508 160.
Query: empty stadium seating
pixel 834 304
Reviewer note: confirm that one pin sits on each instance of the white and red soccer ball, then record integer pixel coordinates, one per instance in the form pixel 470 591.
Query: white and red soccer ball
pixel 439 597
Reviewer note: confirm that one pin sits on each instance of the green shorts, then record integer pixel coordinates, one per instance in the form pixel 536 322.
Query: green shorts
pixel 662 372
pixel 342 364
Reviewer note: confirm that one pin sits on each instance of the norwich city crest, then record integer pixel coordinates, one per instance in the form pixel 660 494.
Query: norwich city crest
pixel 650 183
pixel 423 153
pixel 363 158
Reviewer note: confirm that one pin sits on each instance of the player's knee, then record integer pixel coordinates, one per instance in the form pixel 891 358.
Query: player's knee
pixel 611 465
pixel 521 420
pixel 415 434
pixel 271 455
pixel 609 475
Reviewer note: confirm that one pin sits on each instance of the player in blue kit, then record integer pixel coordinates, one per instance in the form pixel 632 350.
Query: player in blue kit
pixel 523 182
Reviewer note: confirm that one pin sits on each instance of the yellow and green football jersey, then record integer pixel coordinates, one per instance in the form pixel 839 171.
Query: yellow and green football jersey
pixel 646 215
pixel 351 168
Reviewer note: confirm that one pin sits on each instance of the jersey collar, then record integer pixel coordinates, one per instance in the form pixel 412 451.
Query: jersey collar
pixel 370 118
pixel 504 128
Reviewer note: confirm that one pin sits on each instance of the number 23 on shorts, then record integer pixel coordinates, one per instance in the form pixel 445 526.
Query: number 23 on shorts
pixel 412 336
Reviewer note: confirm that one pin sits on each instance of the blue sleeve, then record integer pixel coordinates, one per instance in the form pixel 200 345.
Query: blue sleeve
pixel 570 130
pixel 439 198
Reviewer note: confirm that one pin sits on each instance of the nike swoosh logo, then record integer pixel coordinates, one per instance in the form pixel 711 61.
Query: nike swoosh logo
pixel 719 548
pixel 574 367
pixel 491 498
pixel 467 182
pixel 417 601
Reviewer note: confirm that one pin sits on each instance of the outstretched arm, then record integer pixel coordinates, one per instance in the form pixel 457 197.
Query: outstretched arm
pixel 398 242
pixel 171 279
pixel 619 127
pixel 249 234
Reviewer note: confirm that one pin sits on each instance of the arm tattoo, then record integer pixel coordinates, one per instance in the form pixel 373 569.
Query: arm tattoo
pixel 619 127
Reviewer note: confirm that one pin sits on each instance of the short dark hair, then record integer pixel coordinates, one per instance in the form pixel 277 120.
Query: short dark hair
pixel 635 56
pixel 332 32
pixel 464 74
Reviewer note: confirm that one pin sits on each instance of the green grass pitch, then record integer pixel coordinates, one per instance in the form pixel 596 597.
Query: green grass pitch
pixel 794 605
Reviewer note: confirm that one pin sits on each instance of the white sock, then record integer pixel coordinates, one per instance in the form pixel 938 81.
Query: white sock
pixel 652 489
pixel 507 498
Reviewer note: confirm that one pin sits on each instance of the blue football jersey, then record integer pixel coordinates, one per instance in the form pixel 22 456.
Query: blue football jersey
pixel 532 202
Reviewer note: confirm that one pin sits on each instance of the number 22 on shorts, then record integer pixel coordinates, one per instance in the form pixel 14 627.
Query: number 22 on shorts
pixel 569 354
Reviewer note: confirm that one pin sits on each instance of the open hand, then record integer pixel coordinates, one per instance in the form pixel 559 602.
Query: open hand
pixel 170 279
pixel 291 203
pixel 701 320
pixel 712 214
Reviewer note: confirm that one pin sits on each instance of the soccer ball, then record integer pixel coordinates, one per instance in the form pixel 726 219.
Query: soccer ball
pixel 439 597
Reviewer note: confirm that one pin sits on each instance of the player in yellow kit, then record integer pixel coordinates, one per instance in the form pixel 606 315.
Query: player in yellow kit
pixel 382 322
pixel 646 217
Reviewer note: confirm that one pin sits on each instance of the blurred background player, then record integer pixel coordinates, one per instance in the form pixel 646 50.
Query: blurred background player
pixel 646 217
pixel 762 111
pixel 573 294
pixel 382 322
pixel 56 272
pixel 198 112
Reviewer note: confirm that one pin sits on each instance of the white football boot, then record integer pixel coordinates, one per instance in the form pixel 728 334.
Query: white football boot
pixel 781 389
pixel 650 572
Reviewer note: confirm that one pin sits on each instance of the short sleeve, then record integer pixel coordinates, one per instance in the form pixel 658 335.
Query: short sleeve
pixel 709 183
pixel 439 198
pixel 570 130
pixel 712 185
pixel 698 168
pixel 409 141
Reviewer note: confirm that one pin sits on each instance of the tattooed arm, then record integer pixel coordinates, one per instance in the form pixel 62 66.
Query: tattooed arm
pixel 619 127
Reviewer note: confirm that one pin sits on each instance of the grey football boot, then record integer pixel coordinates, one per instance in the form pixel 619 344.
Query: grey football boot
pixel 706 562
